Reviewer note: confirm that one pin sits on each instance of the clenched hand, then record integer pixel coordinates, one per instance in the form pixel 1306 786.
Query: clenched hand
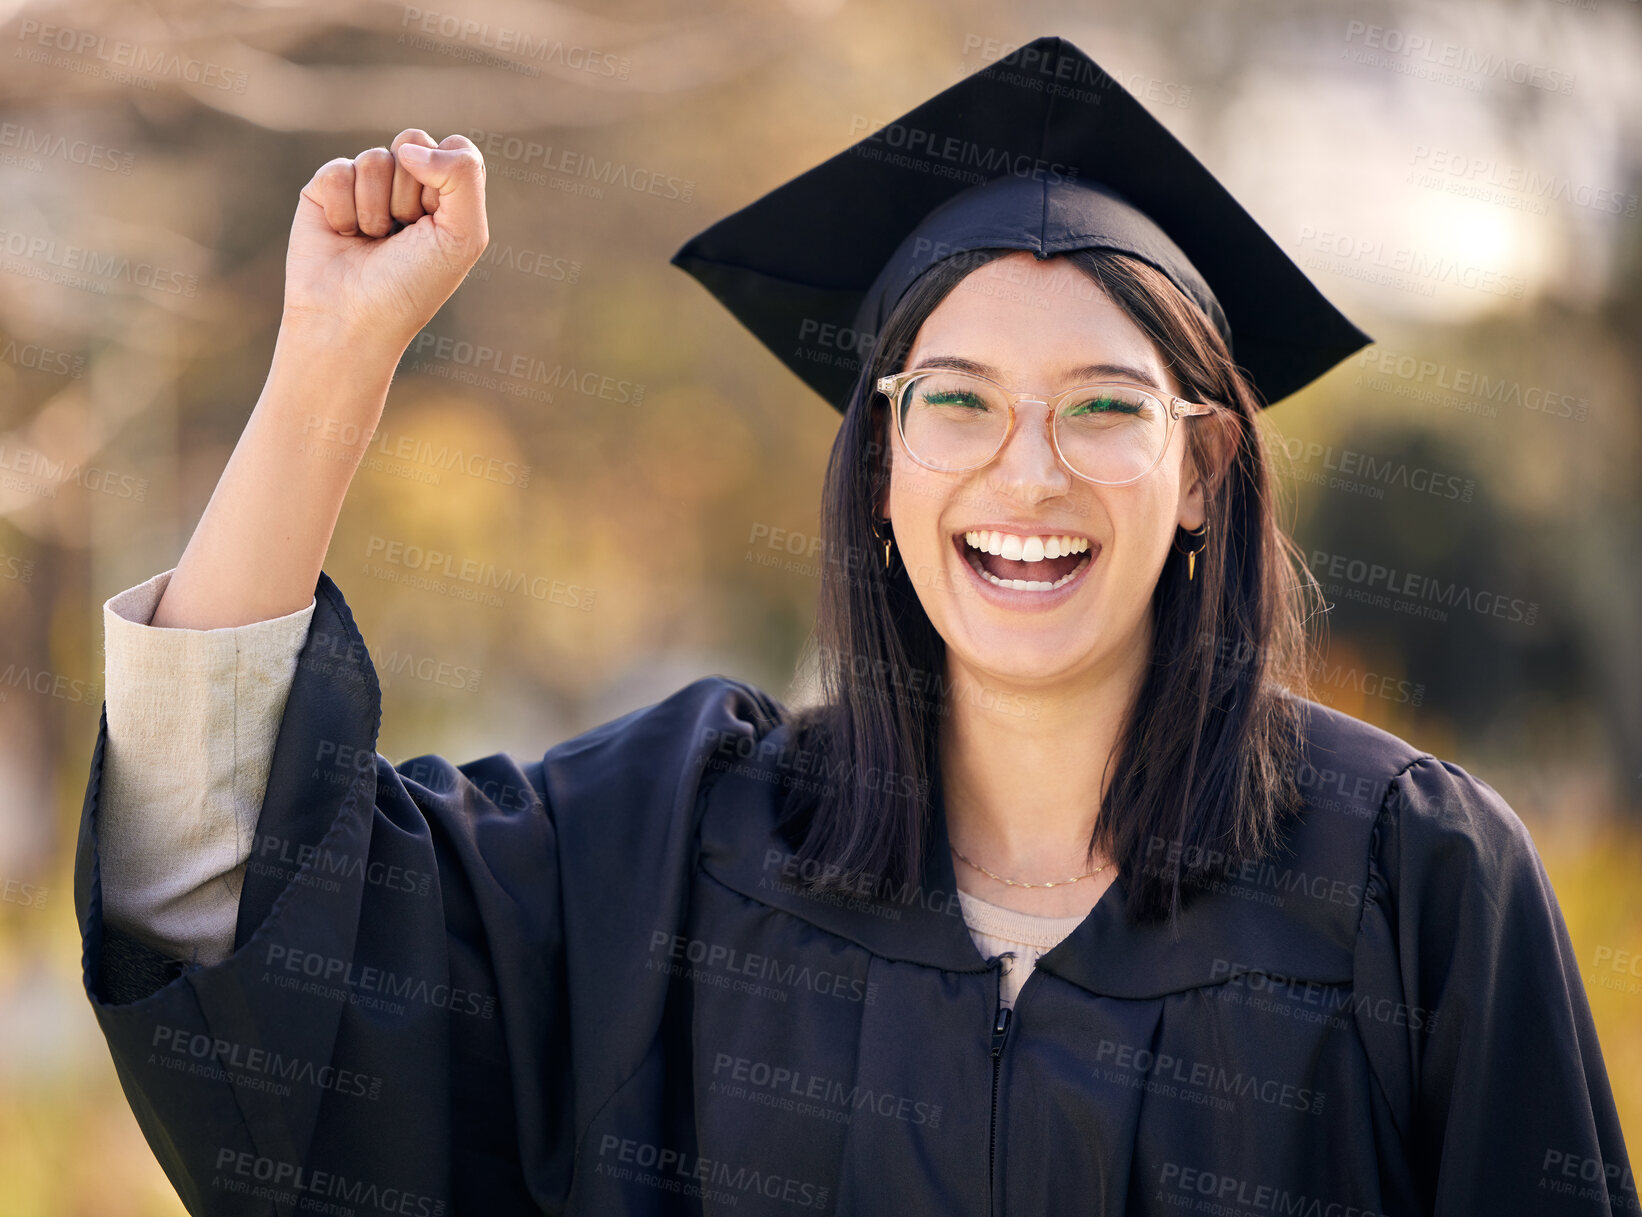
pixel 381 240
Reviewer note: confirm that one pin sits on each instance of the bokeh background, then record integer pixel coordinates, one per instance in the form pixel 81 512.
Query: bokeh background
pixel 1462 179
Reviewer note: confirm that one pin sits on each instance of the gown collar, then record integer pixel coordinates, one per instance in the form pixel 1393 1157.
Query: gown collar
pixel 1293 916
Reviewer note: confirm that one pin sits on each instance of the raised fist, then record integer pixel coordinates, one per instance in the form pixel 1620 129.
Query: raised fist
pixel 381 240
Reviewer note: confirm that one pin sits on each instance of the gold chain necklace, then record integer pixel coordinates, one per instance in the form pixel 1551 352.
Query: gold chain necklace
pixel 1020 883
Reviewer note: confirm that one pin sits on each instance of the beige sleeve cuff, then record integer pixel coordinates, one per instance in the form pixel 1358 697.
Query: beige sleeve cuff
pixel 192 720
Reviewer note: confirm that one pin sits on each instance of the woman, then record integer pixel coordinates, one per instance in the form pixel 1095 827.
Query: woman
pixel 1060 900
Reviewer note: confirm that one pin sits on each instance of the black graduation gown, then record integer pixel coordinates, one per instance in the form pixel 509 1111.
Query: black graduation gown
pixel 589 985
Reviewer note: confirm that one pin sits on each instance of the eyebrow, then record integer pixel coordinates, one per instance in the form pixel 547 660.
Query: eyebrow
pixel 1084 372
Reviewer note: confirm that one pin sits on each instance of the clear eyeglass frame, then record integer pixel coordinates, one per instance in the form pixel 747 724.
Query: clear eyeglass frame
pixel 893 387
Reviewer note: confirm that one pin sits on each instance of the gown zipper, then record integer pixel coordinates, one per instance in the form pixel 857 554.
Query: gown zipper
pixel 1000 1029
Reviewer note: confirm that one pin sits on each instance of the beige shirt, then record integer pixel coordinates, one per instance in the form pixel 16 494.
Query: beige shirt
pixel 193 716
pixel 1021 937
pixel 192 720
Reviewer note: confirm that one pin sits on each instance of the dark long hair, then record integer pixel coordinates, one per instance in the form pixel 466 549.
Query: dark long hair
pixel 1203 770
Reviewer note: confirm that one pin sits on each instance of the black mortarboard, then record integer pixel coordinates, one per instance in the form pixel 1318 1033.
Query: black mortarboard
pixel 1040 150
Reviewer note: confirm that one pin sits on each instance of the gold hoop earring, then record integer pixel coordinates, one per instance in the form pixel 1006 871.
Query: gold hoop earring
pixel 1191 554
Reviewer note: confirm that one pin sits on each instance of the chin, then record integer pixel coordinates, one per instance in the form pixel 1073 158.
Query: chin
pixel 1007 653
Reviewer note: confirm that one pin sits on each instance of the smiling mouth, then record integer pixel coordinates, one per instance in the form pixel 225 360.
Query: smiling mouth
pixel 1039 563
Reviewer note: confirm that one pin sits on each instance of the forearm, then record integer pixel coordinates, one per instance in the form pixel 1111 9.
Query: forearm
pixel 259 546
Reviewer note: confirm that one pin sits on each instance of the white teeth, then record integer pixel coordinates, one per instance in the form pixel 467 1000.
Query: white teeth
pixel 1026 549
pixel 1032 585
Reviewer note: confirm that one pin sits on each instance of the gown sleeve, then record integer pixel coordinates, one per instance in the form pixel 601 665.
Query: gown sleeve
pixel 1476 1019
pixel 413 1018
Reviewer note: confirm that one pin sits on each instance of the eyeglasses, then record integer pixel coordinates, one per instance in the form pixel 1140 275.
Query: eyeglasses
pixel 1110 433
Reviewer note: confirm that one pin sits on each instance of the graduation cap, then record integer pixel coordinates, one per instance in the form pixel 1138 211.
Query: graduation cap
pixel 1041 150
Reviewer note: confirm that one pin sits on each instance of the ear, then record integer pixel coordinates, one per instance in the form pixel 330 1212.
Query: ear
pixel 884 438
pixel 1193 508
pixel 1197 481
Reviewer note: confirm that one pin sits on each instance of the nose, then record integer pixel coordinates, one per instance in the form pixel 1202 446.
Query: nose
pixel 1028 467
